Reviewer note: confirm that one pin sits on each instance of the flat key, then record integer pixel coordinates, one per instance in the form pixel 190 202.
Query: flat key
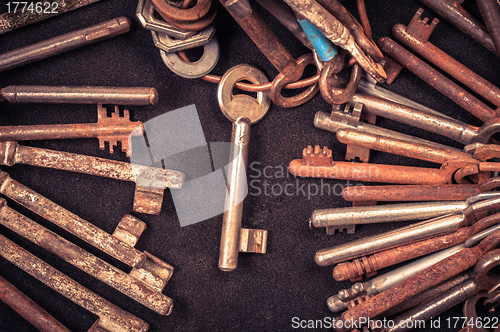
pixel 111 317
pixel 64 43
pixel 79 95
pixel 112 129
pixel 14 19
pixel 243 111
pixel 150 181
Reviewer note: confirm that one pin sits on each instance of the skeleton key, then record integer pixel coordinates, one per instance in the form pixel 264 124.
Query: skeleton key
pixel 416 35
pixel 395 193
pixel 79 95
pixel 150 181
pixel 16 18
pixel 408 234
pixel 28 309
pixel 64 43
pixel 111 129
pixel 120 244
pixel 349 217
pixel 416 284
pixel 318 163
pixel 452 11
pixel 491 16
pixel 127 284
pixel 370 264
pixel 347 298
pixel 481 279
pixel 243 111
pixel 290 69
pixel 111 317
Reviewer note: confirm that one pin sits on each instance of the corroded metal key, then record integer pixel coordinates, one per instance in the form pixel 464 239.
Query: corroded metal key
pixel 243 111
pixel 111 317
pixel 150 181
pixel 113 129
pixel 79 95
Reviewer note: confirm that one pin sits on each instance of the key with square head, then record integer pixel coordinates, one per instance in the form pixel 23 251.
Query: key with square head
pixel 243 111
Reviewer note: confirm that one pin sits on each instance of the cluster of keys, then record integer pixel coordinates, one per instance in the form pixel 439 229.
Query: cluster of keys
pixel 456 243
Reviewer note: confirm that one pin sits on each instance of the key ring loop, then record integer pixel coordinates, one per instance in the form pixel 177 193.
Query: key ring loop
pixel 326 87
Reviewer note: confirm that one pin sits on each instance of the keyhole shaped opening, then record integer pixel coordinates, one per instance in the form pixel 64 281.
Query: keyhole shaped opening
pixel 237 91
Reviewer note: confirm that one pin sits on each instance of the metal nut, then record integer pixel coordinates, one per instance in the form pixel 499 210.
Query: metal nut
pixel 168 44
pixel 145 14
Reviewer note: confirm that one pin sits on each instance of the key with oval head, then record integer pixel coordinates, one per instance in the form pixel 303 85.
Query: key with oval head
pixel 243 111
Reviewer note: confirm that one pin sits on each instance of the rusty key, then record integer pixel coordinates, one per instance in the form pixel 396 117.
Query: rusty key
pixel 490 11
pixel 111 317
pixel 429 277
pixel 111 129
pixel 150 181
pixel 290 69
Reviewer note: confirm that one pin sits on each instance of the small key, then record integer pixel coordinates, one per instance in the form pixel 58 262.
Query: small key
pixel 125 283
pixel 79 95
pixel 111 317
pixel 120 245
pixel 414 193
pixel 111 129
pixel 347 298
pixel 349 217
pixel 64 43
pixel 243 111
pixel 17 17
pixel 370 264
pixel 318 163
pixel 408 234
pixel 150 181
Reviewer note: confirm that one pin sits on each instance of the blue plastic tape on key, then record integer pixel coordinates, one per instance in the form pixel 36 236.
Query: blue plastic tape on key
pixel 325 48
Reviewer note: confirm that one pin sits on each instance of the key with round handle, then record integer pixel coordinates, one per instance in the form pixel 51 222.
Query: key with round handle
pixel 243 111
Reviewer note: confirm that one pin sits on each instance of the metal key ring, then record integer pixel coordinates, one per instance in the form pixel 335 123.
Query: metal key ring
pixel 292 73
pixel 200 24
pixel 193 69
pixel 327 90
pixel 193 14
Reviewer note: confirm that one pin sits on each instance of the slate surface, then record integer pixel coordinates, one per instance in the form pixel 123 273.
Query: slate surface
pixel 267 291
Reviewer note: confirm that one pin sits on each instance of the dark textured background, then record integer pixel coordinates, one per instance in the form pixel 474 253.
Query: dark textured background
pixel 266 291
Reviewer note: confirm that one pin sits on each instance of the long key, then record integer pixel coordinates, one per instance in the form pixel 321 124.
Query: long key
pixel 370 264
pixel 290 69
pixel 491 16
pixel 347 217
pixel 416 36
pixel 111 317
pixel 113 129
pixel 15 19
pixel 64 43
pixel 127 284
pixel 243 111
pixel 79 95
pixel 361 291
pixel 425 279
pixel 396 193
pixel 318 163
pixel 150 181
pixel 452 11
pixel 120 245
pixel 408 234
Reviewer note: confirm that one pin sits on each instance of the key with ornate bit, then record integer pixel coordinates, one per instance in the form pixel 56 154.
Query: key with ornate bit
pixel 17 17
pixel 127 284
pixel 370 264
pixel 318 163
pixel 150 181
pixel 347 298
pixel 111 317
pixel 64 43
pixel 113 129
pixel 243 111
pixel 404 235
pixel 416 284
pixel 395 193
pixel 349 217
pixel 79 95
pixel 120 244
